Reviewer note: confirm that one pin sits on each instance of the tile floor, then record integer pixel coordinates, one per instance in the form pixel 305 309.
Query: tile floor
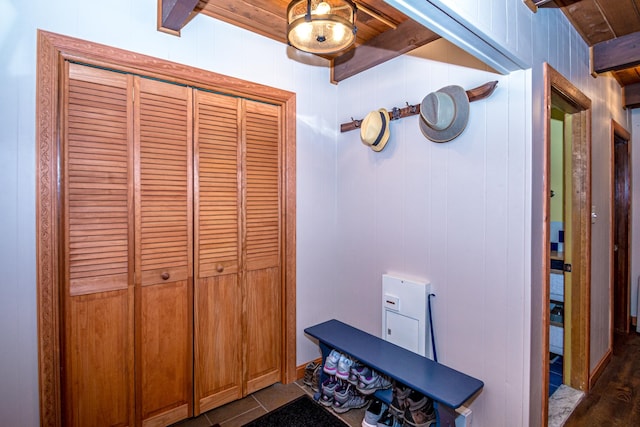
pixel 237 413
pixel 555 372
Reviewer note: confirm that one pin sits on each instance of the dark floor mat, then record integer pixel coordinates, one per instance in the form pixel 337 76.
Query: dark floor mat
pixel 302 412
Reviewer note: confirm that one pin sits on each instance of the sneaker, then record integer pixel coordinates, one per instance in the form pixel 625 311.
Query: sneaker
pixel 348 398
pixel 388 420
pixel 328 389
pixel 331 362
pixel 398 402
pixel 344 367
pixel 309 372
pixel 368 384
pixel 315 380
pixel 373 413
pixel 419 411
pixel 357 370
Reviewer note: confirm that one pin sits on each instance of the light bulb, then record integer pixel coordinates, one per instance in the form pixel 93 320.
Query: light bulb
pixel 323 8
pixel 303 31
pixel 338 32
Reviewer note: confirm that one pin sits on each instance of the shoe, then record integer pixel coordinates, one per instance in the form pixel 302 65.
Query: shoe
pixel 344 367
pixel 331 362
pixel 357 370
pixel 348 398
pixel 309 371
pixel 419 411
pixel 368 384
pixel 328 389
pixel 388 420
pixel 315 380
pixel 398 402
pixel 373 413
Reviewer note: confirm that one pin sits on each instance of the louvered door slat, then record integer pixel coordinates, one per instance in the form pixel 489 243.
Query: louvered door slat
pixel 164 250
pixel 217 189
pixel 262 186
pixel 98 249
pixel 164 181
pixel 95 170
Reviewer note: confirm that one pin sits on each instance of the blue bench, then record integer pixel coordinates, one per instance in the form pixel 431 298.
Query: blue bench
pixel 439 382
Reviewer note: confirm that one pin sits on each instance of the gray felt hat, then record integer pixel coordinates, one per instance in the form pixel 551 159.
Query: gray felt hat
pixel 444 113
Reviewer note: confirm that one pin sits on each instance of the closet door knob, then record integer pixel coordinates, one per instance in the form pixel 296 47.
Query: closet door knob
pixel 165 276
pixel 219 268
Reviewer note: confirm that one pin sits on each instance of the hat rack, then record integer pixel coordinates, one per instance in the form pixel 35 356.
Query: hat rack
pixel 475 94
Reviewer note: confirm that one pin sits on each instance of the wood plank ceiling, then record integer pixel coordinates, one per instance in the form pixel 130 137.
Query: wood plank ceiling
pixel 610 27
pixel 383 32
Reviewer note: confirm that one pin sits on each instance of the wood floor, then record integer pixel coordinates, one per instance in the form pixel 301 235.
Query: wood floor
pixel 614 401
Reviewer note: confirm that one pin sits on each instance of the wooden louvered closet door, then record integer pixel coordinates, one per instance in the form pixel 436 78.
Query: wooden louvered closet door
pixel 238 227
pixel 154 332
pixel 261 239
pixel 97 245
pixel 218 297
pixel 164 266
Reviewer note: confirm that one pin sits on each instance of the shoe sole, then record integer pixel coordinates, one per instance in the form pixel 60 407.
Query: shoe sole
pixel 342 410
pixel 342 375
pixel 370 391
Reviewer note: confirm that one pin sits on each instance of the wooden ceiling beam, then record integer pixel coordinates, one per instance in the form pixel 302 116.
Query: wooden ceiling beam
pixel 388 45
pixel 616 54
pixel 174 14
pixel 632 96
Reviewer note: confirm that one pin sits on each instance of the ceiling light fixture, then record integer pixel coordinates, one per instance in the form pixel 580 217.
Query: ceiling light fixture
pixel 321 26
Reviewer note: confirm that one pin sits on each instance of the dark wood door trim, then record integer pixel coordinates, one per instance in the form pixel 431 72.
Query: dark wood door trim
pixel 563 94
pixel 53 50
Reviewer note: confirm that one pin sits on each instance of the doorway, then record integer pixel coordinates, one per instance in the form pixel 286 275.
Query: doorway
pixel 566 102
pixel 621 230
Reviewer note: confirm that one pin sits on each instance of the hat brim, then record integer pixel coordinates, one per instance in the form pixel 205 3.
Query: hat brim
pixel 461 102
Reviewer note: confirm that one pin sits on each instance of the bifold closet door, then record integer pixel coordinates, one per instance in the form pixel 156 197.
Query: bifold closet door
pixel 96 194
pixel 238 227
pixel 218 298
pixel 262 232
pixel 164 230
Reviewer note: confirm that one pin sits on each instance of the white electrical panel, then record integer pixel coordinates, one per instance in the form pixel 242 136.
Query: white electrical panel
pixel 405 320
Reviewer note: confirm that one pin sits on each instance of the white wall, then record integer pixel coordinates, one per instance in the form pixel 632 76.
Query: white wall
pixel 533 39
pixel 205 43
pixel 454 214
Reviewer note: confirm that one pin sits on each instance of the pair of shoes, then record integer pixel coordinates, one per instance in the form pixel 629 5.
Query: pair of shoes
pixel 419 411
pixel 357 370
pixel 374 412
pixel 370 383
pixel 327 391
pixel 338 364
pixel 330 366
pixel 388 420
pixel 399 400
pixel 344 367
pixel 312 375
pixel 345 398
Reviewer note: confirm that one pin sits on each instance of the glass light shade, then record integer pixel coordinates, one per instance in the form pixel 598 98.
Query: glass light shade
pixel 321 26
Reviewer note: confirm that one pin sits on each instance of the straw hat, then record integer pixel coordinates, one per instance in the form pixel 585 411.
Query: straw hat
pixel 444 113
pixel 374 129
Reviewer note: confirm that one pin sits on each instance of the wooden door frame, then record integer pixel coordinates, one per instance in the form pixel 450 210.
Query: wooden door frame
pixel 557 87
pixel 53 50
pixel 617 129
